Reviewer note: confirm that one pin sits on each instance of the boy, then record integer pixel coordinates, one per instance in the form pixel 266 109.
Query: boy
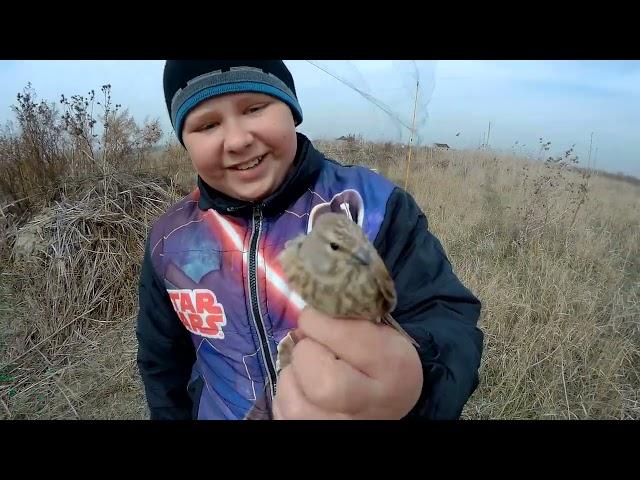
pixel 213 302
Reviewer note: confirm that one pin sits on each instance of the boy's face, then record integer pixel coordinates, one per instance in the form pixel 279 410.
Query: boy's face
pixel 241 144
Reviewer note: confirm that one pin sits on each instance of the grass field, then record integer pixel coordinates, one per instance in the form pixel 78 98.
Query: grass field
pixel 552 251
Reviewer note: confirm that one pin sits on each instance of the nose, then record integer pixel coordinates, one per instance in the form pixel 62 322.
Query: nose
pixel 236 136
pixel 363 255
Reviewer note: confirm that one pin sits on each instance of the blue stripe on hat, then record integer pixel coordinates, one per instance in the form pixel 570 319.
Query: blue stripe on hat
pixel 234 88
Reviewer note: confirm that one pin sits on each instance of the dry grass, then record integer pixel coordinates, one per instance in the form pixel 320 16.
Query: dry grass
pixel 561 297
pixel 69 341
pixel 552 253
pixel 73 240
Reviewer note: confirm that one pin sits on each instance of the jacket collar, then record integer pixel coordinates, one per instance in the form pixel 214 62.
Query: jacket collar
pixel 306 167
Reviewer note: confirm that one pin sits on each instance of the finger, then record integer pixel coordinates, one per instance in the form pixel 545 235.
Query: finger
pixel 330 383
pixel 355 341
pixel 297 335
pixel 291 404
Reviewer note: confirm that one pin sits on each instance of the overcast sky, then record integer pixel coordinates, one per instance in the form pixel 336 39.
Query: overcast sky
pixel 561 101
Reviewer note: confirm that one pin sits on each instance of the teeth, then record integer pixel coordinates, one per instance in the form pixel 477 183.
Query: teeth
pixel 249 165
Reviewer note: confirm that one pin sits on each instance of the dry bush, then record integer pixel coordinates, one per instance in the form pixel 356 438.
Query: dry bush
pixel 73 231
pixel 48 148
pixel 33 156
pixel 69 348
pixel 173 162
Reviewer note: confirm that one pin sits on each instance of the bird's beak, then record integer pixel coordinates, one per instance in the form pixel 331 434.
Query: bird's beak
pixel 363 255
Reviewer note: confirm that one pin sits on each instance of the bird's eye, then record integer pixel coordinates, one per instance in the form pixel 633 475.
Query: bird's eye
pixel 334 246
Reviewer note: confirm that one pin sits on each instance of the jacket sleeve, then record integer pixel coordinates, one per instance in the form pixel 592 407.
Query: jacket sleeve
pixel 165 351
pixel 434 307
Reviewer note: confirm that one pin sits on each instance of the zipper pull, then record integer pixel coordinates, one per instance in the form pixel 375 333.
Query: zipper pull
pixel 234 209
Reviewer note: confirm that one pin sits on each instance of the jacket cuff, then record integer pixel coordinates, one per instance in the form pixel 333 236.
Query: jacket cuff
pixel 429 354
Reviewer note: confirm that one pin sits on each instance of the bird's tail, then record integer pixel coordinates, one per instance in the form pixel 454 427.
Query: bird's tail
pixel 389 320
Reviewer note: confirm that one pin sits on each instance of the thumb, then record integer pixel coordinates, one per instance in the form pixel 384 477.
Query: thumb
pixel 297 335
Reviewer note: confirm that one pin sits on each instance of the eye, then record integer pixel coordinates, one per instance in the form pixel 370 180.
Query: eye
pixel 255 108
pixel 334 246
pixel 208 126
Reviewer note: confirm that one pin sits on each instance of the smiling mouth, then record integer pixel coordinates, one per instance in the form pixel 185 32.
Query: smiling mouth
pixel 249 165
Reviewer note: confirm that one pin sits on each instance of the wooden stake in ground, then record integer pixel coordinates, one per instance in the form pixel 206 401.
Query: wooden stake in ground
pixel 413 128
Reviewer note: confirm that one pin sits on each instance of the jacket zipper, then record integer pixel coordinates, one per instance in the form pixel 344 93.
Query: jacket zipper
pixel 267 356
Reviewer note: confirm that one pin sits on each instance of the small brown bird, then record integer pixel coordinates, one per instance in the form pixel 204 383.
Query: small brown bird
pixel 337 271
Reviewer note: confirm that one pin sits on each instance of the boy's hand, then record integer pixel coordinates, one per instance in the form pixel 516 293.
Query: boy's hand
pixel 377 373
